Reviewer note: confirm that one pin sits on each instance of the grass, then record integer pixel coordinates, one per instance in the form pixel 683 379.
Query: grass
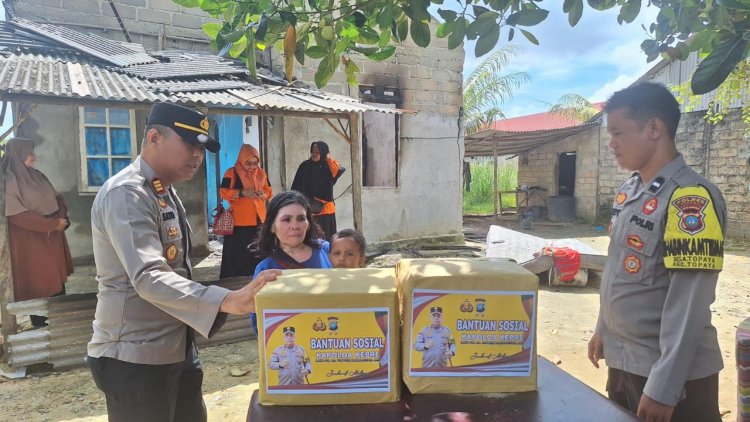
pixel 479 200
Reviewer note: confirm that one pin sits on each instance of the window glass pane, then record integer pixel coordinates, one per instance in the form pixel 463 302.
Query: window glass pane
pixel 98 171
pixel 94 116
pixel 119 116
pixel 119 164
pixel 120 139
pixel 96 141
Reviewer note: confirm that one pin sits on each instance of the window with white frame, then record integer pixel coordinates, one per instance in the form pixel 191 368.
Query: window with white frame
pixel 108 144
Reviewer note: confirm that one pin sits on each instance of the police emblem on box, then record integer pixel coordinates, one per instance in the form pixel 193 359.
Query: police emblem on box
pixel 319 325
pixel 333 323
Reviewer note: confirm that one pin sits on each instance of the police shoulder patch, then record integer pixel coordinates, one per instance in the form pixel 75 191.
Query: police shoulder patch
pixel 693 236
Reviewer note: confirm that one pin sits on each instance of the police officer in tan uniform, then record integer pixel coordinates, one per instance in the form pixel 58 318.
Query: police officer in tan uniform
pixel 434 341
pixel 665 253
pixel 142 353
pixel 290 360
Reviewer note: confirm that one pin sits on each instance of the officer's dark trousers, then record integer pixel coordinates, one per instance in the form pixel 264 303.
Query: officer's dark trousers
pixel 701 403
pixel 145 393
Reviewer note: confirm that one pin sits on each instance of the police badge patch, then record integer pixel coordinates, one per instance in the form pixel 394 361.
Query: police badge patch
pixel 690 211
pixel 632 264
pixel 620 198
pixel 634 241
pixel 693 237
pixel 171 252
pixel 650 206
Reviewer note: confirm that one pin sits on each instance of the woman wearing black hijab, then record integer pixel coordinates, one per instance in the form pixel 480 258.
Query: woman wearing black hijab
pixel 315 179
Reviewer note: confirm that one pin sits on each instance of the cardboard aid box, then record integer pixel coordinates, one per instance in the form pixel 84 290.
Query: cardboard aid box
pixel 329 337
pixel 469 325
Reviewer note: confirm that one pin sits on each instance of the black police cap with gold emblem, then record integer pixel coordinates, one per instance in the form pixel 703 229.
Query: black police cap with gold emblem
pixel 436 310
pixel 286 330
pixel 191 125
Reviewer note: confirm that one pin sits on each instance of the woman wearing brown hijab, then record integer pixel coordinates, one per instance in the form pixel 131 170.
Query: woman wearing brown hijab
pixel 246 188
pixel 37 217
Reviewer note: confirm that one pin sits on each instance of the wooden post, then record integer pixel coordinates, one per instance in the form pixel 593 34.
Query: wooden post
pixel 6 278
pixel 494 176
pixel 356 153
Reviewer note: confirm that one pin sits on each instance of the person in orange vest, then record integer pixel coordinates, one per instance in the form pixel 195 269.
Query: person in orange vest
pixel 315 179
pixel 245 186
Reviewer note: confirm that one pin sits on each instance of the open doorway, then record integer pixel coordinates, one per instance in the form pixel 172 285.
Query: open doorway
pixel 566 174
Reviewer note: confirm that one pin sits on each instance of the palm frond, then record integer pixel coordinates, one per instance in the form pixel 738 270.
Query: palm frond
pixel 574 106
pixel 487 88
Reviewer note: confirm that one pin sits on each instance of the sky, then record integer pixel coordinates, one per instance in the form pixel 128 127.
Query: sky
pixel 593 59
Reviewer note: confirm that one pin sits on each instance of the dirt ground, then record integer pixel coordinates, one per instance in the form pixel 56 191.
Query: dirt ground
pixel 566 317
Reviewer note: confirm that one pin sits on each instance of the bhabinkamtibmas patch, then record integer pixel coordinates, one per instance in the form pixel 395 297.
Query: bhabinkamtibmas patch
pixel 693 237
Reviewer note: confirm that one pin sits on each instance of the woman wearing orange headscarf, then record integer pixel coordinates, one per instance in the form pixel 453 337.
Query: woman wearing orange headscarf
pixel 246 188
pixel 37 217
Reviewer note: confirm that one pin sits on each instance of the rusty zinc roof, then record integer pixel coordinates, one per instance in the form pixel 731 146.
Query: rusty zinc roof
pixel 99 47
pixel 72 77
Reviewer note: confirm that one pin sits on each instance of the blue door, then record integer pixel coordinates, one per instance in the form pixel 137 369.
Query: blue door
pixel 230 131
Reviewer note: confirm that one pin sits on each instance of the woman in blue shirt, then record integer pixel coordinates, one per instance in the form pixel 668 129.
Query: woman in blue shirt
pixel 290 238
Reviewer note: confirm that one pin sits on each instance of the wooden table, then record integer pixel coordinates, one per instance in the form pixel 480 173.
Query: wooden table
pixel 560 397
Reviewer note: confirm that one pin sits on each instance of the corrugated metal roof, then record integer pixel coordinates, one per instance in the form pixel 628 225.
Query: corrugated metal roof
pixel 15 38
pixel 185 69
pixel 538 121
pixel 183 64
pixel 199 85
pixel 100 47
pixel 508 143
pixel 70 77
pixel 74 77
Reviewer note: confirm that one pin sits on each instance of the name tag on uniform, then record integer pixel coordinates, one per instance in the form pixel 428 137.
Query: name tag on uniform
pixel 168 215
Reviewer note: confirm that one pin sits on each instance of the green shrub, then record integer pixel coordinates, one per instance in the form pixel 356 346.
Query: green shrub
pixel 479 200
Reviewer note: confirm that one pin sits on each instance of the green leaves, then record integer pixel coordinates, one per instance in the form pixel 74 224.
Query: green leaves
pixel 629 11
pixel 487 41
pixel 735 4
pixel 420 33
pixel 574 9
pixel 326 69
pixel 602 4
pixel 715 68
pixel 212 29
pixel 527 17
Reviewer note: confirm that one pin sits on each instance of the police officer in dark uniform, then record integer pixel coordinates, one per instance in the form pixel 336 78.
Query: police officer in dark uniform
pixel 142 353
pixel 666 250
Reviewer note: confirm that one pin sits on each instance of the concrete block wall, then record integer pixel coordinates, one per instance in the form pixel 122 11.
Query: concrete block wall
pixel 145 20
pixel 539 167
pixel 721 153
